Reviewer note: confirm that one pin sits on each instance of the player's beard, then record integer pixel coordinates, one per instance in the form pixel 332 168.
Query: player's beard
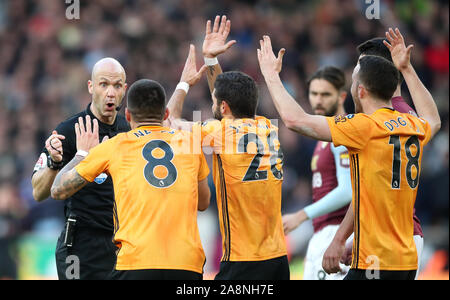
pixel 217 114
pixel 331 111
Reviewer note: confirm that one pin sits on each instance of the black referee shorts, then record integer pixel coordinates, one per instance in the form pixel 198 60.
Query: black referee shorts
pixel 272 269
pixel 355 274
pixel 155 274
pixel 92 256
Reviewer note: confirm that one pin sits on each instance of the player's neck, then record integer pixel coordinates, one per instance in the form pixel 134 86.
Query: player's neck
pixel 135 125
pixel 398 92
pixel 372 105
pixel 340 111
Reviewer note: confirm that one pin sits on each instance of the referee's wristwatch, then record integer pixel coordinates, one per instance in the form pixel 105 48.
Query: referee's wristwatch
pixel 51 164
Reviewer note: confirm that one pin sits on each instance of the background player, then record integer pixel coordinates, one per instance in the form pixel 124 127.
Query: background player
pixel 374 83
pixel 247 169
pixel 159 183
pixel 91 209
pixel 331 182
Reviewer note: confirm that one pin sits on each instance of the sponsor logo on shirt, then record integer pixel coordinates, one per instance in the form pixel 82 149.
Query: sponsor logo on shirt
pixel 101 178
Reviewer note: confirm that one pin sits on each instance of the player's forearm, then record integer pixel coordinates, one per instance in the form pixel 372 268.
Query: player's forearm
pixel 334 200
pixel 423 100
pixel 211 75
pixel 68 181
pixel 176 103
pixel 293 115
pixel 346 228
pixel 42 182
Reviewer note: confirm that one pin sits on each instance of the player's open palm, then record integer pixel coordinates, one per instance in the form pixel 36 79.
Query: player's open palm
pixel 215 38
pixel 86 134
pixel 401 55
pixel 268 62
pixel 190 75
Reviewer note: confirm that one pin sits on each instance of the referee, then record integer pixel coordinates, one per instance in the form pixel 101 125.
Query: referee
pixel 85 249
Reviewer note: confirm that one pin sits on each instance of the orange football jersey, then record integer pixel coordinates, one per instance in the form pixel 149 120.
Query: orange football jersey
pixel 247 172
pixel 155 174
pixel 385 150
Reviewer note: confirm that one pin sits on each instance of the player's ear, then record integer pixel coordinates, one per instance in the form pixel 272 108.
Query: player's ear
pixel 90 87
pixel 166 114
pixel 362 92
pixel 224 108
pixel 127 115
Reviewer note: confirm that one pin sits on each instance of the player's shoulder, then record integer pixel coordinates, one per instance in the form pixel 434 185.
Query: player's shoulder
pixel 354 118
pixel 67 126
pixel 211 125
pixel 267 123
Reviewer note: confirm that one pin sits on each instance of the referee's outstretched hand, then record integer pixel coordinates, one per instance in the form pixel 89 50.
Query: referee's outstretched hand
pixel 86 134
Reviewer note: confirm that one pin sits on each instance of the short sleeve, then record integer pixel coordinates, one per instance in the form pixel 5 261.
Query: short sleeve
pixel 96 162
pixel 204 169
pixel 351 131
pixel 427 131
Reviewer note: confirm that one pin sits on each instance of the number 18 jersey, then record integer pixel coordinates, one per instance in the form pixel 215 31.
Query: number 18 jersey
pixel 247 172
pixel 385 150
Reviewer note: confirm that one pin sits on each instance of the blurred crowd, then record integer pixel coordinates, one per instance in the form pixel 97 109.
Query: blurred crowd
pixel 46 60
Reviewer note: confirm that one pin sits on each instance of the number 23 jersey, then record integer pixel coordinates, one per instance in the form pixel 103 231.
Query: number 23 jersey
pixel 385 151
pixel 247 172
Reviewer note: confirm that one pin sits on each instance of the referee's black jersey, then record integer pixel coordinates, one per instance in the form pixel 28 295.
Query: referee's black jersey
pixel 93 204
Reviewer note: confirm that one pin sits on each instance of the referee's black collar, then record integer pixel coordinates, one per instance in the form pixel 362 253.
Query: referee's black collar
pixel 91 114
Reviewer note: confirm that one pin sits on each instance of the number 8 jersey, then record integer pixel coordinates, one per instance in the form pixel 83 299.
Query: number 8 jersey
pixel 247 172
pixel 155 172
pixel 385 151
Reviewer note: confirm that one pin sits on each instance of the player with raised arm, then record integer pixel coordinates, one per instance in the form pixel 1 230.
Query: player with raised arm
pixel 247 169
pixel 385 149
pixel 331 183
pixel 376 47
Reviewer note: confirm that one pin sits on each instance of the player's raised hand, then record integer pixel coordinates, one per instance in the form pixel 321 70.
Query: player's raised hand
pixel 190 74
pixel 268 62
pixel 215 42
pixel 54 146
pixel 86 135
pixel 401 55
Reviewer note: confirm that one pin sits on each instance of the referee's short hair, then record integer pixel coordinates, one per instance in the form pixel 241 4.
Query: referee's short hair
pixel 146 100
